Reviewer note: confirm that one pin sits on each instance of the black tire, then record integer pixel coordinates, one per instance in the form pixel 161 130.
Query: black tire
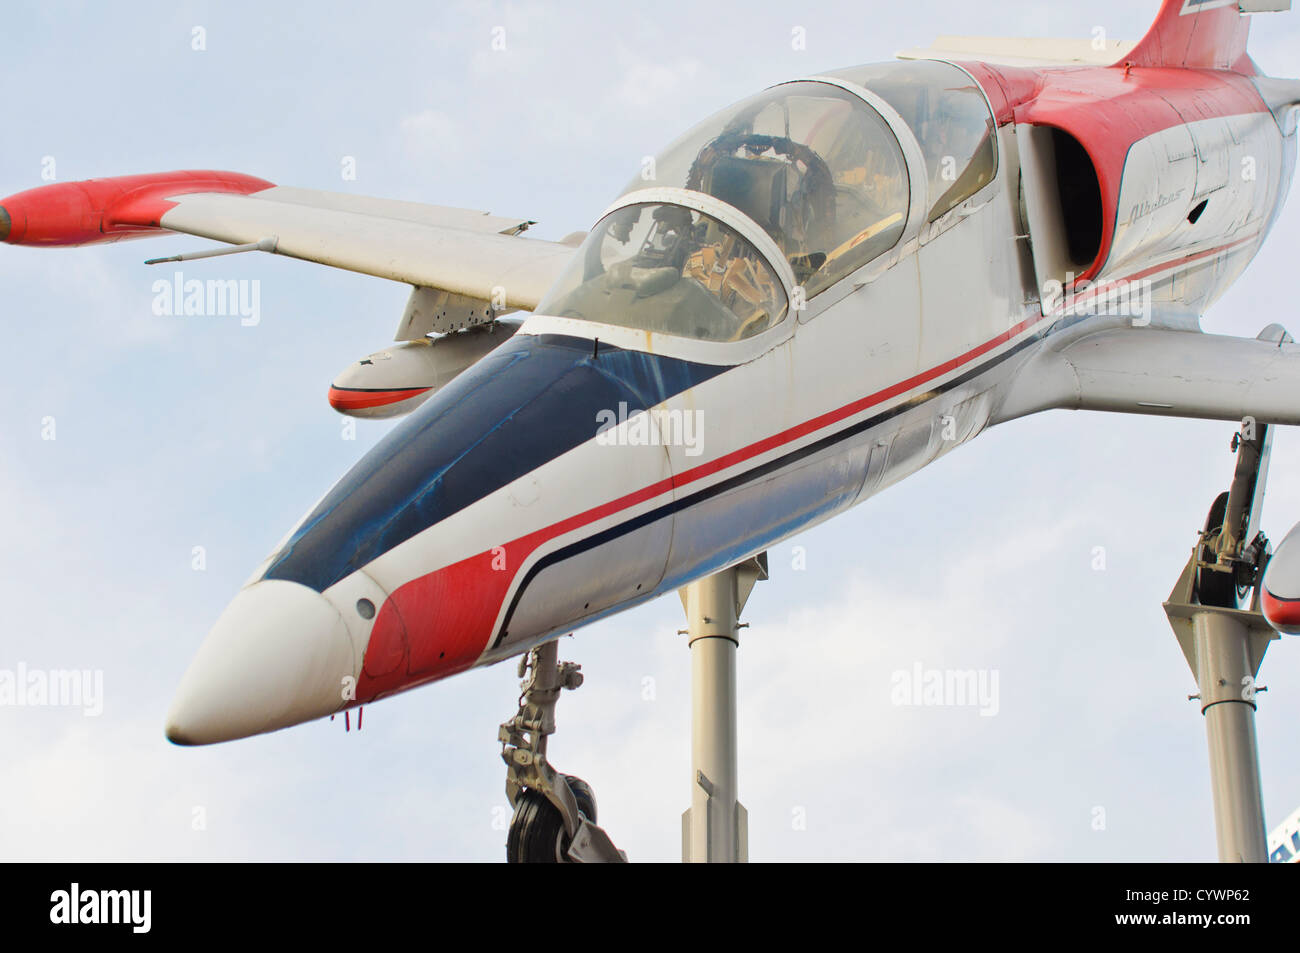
pixel 583 794
pixel 536 831
pixel 1215 588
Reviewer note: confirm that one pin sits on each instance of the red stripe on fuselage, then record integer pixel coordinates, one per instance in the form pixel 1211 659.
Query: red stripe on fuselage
pixel 1100 290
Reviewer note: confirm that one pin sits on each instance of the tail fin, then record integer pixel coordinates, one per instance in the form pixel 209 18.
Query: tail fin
pixel 1205 34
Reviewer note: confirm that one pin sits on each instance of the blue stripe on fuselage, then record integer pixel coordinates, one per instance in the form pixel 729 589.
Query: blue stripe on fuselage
pixel 524 404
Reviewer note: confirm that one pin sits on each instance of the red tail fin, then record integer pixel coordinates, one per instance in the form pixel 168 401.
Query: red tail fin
pixel 1206 34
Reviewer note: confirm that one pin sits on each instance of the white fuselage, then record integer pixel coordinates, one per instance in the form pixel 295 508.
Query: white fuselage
pixel 877 376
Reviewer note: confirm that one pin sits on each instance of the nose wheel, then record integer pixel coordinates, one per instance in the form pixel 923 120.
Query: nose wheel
pixel 554 814
pixel 537 834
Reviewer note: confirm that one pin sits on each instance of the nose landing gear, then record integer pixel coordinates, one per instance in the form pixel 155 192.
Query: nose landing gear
pixel 555 814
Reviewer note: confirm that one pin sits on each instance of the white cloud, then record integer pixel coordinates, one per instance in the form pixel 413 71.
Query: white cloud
pixel 431 132
pixel 652 82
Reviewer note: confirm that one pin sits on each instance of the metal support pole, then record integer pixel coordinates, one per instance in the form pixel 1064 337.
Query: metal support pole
pixel 1224 649
pixel 1226 678
pixel 711 828
pixel 716 827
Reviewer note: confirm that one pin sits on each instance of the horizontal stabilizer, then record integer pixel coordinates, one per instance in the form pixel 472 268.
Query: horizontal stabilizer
pixel 1199 34
pixel 1022 51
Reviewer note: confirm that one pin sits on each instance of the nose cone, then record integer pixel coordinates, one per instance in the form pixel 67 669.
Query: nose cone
pixel 278 656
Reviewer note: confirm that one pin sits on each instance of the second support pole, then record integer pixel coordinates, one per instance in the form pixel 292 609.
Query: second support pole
pixel 716 829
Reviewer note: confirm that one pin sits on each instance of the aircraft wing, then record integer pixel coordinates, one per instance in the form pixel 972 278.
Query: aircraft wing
pixel 1172 373
pixel 456 250
pixel 459 251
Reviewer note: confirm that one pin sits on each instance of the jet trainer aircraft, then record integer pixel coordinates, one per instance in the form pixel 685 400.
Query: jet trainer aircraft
pixel 905 253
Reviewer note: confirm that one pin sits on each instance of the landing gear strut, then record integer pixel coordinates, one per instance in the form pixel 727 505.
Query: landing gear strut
pixel 555 814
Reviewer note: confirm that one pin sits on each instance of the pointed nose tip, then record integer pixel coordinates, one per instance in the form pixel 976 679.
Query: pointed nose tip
pixel 6 223
pixel 279 655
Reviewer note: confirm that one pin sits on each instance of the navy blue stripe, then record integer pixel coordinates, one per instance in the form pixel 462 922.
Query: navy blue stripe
pixel 526 403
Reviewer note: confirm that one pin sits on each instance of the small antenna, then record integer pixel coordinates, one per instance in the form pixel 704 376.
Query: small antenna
pixel 265 244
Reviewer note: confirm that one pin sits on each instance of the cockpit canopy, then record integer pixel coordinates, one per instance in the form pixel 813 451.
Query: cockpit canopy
pixel 812 164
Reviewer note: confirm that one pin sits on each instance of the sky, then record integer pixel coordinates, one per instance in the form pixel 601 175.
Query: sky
pixel 1041 551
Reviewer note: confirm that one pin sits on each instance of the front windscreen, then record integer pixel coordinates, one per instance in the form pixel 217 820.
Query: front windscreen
pixel 671 270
